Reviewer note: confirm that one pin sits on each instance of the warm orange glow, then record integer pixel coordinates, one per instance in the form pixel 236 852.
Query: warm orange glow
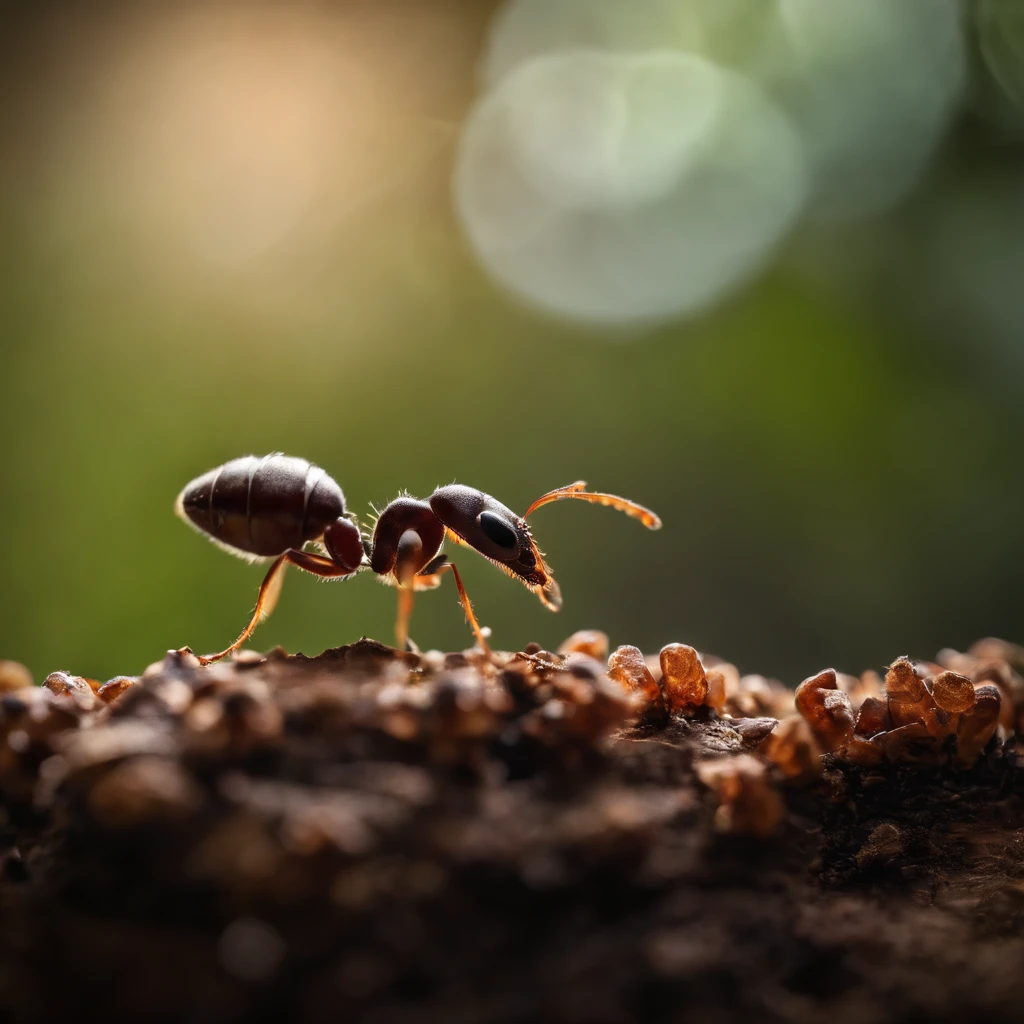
pixel 251 151
pixel 238 125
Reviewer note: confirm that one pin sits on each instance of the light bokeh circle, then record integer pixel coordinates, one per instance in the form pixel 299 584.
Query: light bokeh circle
pixel 618 188
pixel 871 85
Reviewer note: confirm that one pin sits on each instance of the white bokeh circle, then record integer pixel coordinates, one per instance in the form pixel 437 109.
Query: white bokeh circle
pixel 622 188
pixel 870 85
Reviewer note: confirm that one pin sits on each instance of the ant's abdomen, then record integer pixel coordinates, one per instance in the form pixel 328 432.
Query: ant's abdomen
pixel 262 506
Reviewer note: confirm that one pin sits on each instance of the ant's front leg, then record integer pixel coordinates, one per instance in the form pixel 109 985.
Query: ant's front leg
pixel 430 577
pixel 467 607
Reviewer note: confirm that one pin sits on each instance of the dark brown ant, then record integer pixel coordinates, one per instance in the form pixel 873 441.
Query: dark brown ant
pixel 271 507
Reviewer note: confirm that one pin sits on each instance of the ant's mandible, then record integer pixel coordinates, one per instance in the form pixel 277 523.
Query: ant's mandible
pixel 272 507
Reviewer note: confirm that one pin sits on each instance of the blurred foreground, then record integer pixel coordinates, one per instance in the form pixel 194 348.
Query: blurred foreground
pixel 391 837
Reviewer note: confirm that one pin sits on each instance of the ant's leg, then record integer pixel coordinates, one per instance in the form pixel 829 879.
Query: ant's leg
pixel 317 565
pixel 405 600
pixel 468 609
pixel 270 590
pixel 428 578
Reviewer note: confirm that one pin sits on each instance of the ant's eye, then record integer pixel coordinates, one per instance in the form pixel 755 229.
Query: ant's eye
pixel 498 531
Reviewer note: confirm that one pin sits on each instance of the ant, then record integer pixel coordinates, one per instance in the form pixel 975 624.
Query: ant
pixel 272 507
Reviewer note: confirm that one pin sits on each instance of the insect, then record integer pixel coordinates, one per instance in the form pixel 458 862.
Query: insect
pixel 273 507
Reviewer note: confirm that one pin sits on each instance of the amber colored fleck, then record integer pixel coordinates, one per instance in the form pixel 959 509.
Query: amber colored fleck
pixel 953 692
pixel 827 709
pixel 627 667
pixel 114 688
pixel 587 641
pixel 1010 684
pixel 683 682
pixel 873 717
pixel 63 684
pixel 902 683
pixel 910 703
pixel 978 725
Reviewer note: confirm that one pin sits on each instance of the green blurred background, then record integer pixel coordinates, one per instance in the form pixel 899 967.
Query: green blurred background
pixel 229 228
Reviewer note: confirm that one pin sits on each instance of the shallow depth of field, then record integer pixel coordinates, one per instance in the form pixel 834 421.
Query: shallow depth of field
pixel 757 266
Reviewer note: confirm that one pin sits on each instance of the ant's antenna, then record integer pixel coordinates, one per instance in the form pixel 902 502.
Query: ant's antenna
pixel 579 491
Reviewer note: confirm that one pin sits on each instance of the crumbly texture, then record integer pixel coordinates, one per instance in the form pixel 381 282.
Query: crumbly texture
pixel 378 836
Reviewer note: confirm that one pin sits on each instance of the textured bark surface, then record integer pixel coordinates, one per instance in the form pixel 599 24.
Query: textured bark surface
pixel 383 837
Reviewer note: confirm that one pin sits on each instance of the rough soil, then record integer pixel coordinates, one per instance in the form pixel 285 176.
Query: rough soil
pixel 377 836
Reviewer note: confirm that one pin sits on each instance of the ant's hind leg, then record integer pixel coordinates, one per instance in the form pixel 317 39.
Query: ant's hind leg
pixel 270 590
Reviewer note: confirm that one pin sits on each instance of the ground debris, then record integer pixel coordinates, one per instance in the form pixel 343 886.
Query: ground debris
pixel 920 714
pixel 390 836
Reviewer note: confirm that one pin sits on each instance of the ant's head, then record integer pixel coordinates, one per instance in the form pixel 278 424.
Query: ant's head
pixel 471 517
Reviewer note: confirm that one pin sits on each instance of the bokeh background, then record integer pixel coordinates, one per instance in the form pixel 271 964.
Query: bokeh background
pixel 757 264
